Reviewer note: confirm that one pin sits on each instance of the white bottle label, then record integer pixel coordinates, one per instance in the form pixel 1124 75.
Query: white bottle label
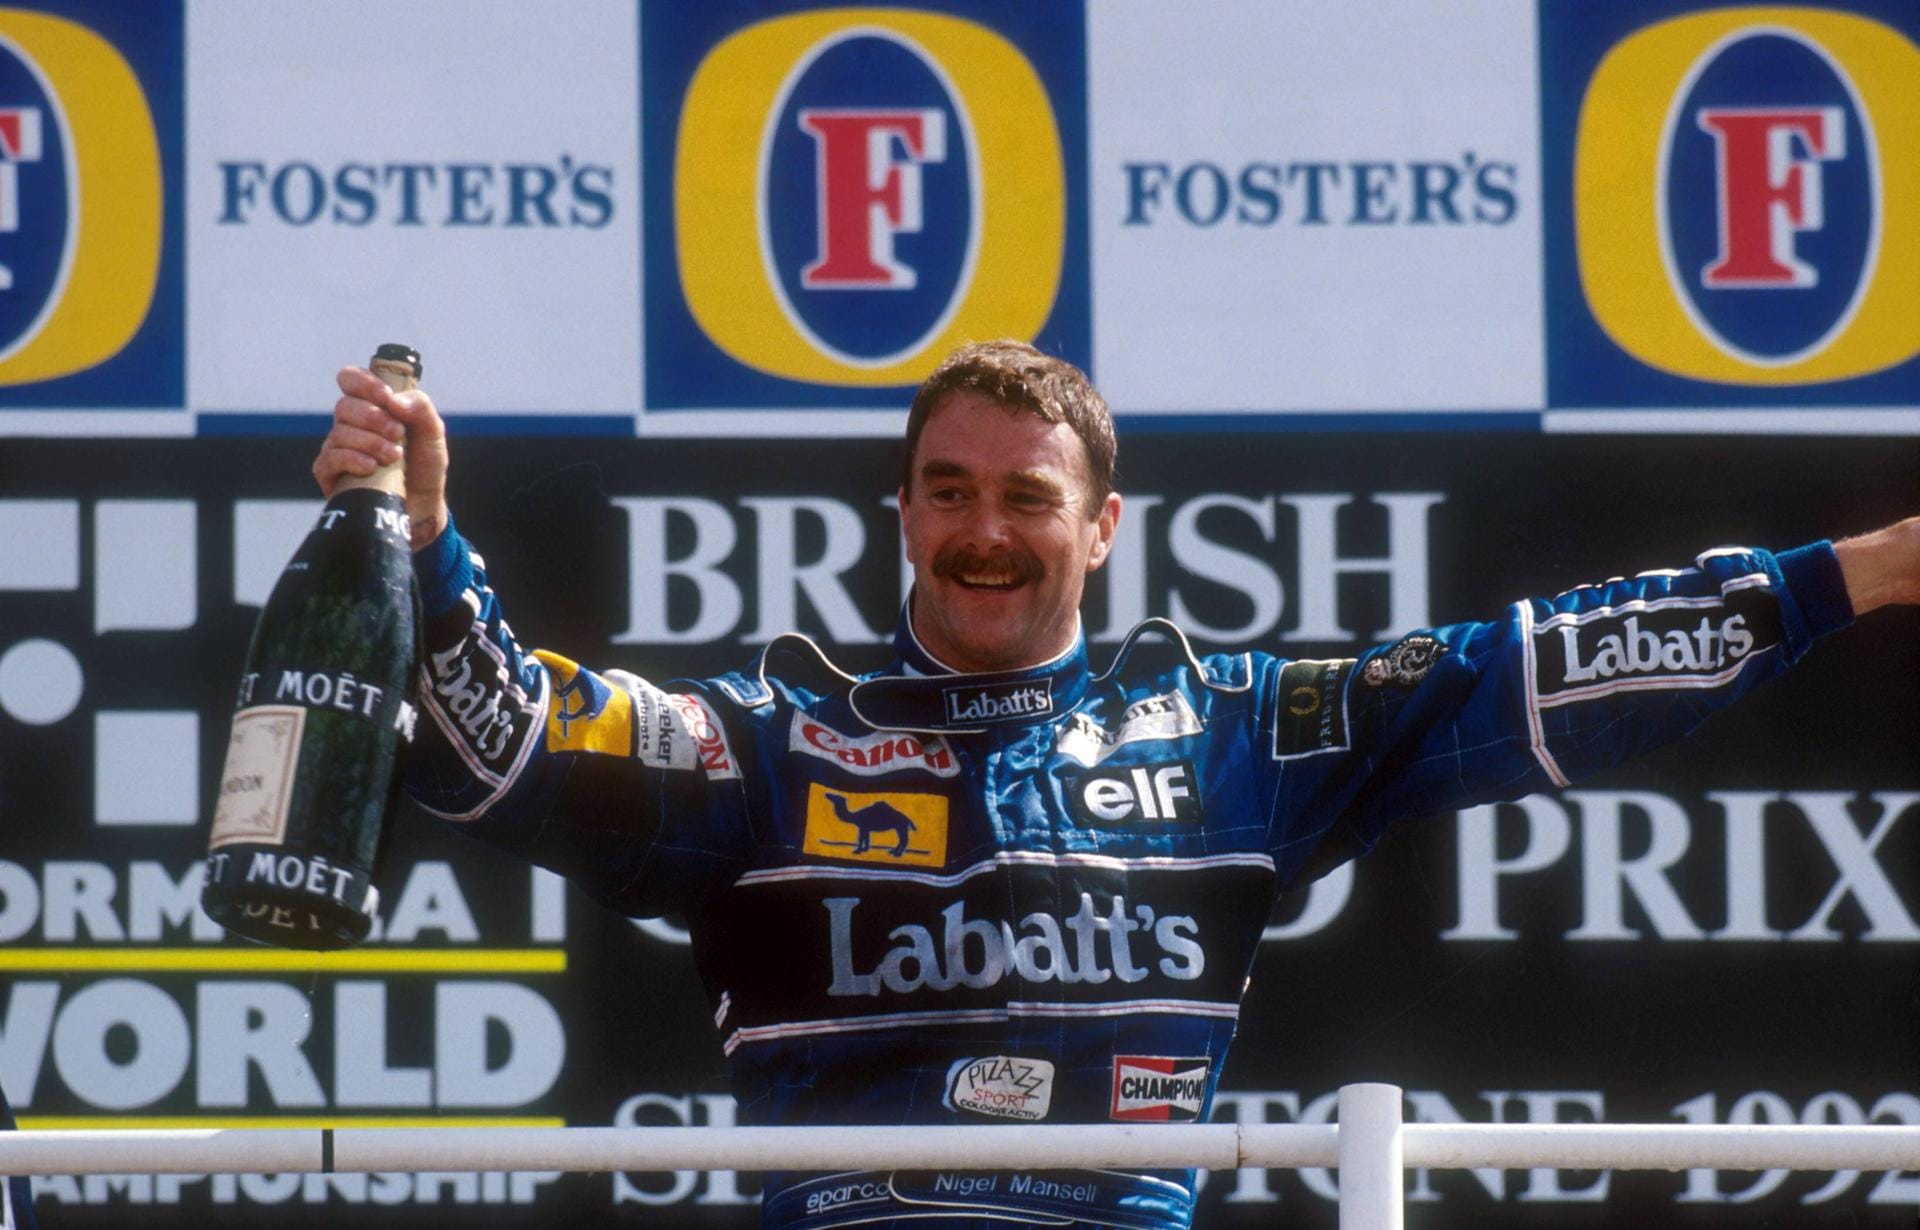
pixel 257 783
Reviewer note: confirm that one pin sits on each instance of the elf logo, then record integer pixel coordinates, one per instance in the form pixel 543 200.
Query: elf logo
pixel 1743 188
pixel 857 191
pixel 80 199
pixel 1157 1089
pixel 1142 794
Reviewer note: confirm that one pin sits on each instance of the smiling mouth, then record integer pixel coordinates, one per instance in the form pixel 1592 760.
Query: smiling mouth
pixel 998 574
pixel 990 584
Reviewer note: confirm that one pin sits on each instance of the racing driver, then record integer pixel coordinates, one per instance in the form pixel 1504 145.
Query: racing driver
pixel 988 884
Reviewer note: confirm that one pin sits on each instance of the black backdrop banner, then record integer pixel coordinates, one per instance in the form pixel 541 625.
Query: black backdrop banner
pixel 1725 931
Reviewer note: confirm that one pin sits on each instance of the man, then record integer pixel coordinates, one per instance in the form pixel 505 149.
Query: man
pixel 986 884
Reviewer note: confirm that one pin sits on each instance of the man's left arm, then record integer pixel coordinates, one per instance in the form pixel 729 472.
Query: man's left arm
pixel 1558 690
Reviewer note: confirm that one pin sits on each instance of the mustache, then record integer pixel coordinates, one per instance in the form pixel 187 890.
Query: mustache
pixel 1020 566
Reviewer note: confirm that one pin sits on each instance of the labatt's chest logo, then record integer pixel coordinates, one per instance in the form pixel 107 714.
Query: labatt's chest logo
pixel 998 702
pixel 884 751
pixel 1636 650
pixel 1091 945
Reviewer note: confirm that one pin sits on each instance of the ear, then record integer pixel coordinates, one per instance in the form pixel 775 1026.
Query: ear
pixel 1103 529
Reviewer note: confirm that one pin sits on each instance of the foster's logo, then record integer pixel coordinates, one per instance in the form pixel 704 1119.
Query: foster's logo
pixel 857 191
pixel 80 199
pixel 1744 188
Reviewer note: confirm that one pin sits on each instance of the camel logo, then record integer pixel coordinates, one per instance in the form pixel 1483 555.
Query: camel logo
pixel 893 828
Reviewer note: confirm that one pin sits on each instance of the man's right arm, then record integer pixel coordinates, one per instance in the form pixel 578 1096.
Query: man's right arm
pixel 631 792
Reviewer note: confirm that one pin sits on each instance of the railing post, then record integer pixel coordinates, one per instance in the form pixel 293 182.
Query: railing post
pixel 1371 1174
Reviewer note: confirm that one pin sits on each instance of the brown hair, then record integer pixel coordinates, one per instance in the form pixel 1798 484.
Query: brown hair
pixel 1020 377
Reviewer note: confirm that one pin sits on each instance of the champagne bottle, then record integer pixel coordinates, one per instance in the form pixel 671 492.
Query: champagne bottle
pixel 322 708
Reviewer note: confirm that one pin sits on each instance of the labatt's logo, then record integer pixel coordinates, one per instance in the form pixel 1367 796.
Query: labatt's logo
pixel 998 703
pixel 1747 196
pixel 1634 650
pixel 80 199
pixel 857 191
pixel 977 953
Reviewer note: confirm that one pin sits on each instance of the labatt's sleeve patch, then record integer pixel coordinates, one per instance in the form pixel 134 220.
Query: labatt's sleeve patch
pixel 1668 643
pixel 1310 710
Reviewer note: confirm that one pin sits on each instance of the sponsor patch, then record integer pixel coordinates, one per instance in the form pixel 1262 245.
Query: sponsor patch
pixel 1000 702
pixel 1158 1089
pixel 1665 644
pixel 710 747
pixel 870 755
pixel 1004 1086
pixel 586 715
pixel 896 828
pixel 1166 716
pixel 1311 715
pixel 1164 793
pixel 489 716
pixel 1405 664
pixel 673 730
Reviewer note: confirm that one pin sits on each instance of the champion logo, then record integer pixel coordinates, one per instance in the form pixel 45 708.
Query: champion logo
pixel 1158 1089
pixel 998 702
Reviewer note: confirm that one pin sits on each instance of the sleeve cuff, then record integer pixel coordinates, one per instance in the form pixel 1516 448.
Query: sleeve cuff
pixel 1813 577
pixel 443 570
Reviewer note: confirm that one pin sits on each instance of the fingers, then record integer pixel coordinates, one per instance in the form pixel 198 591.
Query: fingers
pixel 335 463
pixel 374 426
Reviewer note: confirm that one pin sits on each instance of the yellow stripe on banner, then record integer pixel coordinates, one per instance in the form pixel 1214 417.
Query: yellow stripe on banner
pixel 278 961
pixel 192 1123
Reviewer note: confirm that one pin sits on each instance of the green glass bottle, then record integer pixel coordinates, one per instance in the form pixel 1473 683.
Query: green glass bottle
pixel 323 707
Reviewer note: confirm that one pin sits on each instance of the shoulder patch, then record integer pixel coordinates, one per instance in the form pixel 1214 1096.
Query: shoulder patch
pixel 1405 664
pixel 673 730
pixel 1310 711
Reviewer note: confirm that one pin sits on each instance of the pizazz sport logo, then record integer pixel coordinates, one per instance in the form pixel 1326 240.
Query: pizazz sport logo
pixel 80 199
pixel 1747 196
pixel 857 191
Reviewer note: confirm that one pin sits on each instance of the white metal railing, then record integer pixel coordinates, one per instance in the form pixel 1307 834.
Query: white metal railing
pixel 1371 1146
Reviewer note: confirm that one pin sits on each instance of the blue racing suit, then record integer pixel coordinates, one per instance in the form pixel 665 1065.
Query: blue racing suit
pixel 918 897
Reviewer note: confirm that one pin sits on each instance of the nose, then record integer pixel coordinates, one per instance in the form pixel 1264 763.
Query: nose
pixel 988 526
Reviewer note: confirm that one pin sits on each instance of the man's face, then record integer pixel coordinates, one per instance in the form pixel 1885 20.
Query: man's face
pixel 999 534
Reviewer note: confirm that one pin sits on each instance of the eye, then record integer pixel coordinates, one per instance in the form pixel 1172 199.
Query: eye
pixel 945 495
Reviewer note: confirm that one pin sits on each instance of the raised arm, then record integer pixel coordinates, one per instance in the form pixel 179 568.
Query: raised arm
pixel 629 790
pixel 1558 690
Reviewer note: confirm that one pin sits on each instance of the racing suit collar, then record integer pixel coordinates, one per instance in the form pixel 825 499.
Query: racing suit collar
pixel 922 694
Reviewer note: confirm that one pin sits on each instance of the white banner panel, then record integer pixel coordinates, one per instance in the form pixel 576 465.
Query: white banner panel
pixel 1315 207
pixel 462 177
